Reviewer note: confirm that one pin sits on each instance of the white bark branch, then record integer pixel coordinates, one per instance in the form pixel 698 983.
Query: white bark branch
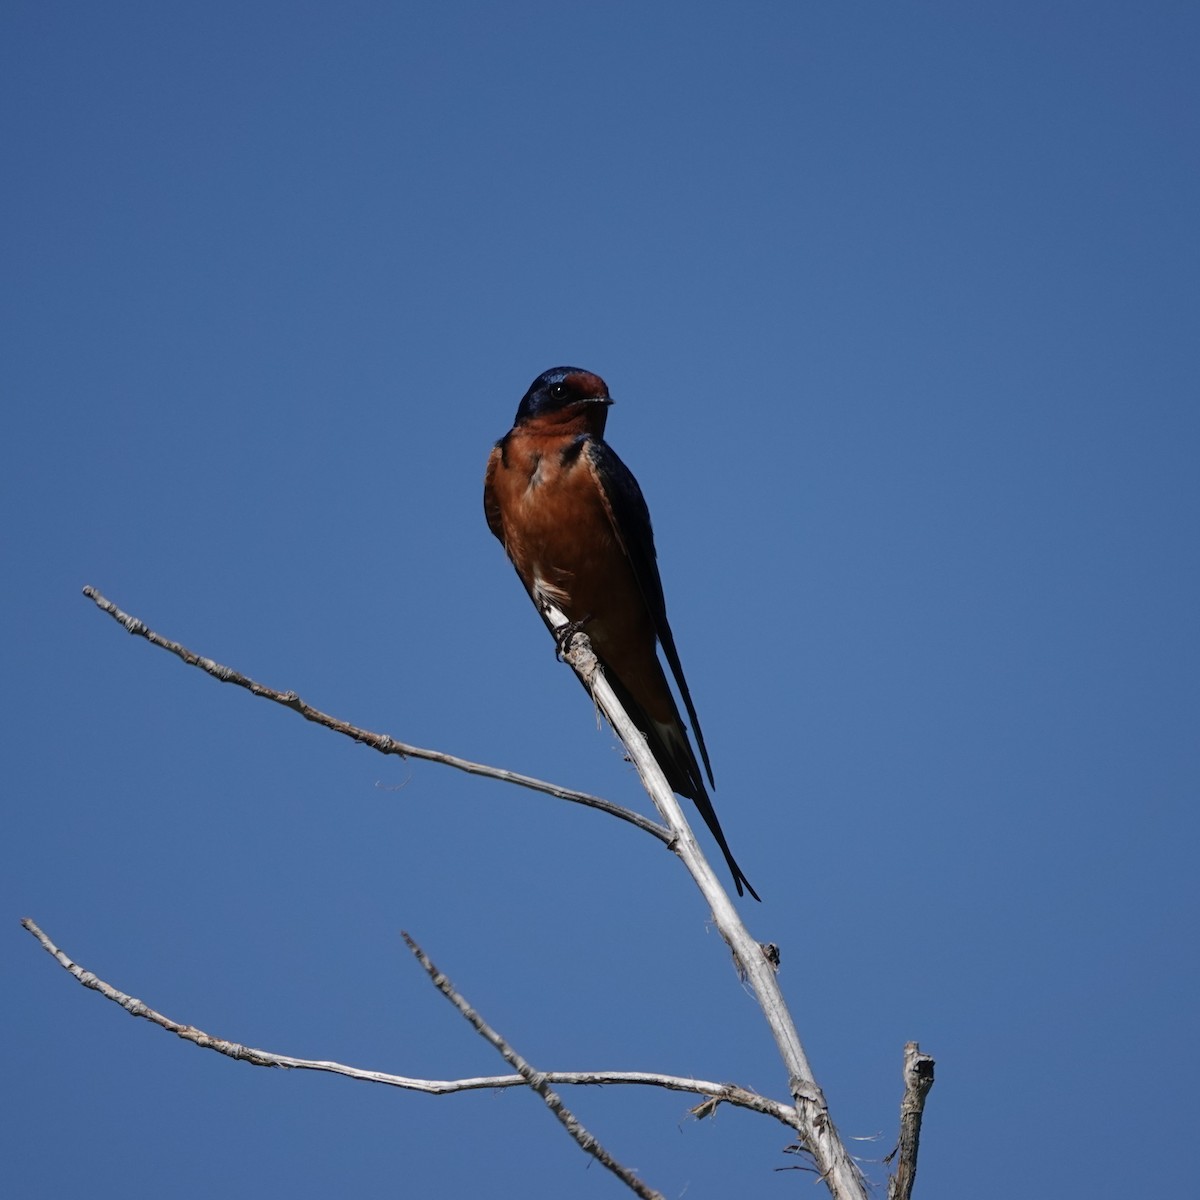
pixel 715 1092
pixel 816 1130
pixel 809 1117
pixel 377 741
pixel 536 1079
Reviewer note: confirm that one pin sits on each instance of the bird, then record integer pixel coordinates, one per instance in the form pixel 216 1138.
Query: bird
pixel 572 519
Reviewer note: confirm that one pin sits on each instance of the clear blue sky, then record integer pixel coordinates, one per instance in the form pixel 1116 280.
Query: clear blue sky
pixel 899 305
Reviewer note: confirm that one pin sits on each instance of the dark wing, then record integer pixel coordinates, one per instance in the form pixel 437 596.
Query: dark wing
pixel 491 505
pixel 631 522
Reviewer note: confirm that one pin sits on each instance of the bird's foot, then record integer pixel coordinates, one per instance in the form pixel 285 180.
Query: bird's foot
pixel 564 634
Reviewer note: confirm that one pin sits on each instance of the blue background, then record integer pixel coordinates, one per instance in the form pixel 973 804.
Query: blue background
pixel 899 306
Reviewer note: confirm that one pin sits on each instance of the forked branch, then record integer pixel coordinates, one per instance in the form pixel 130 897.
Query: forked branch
pixel 816 1130
pixel 537 1080
pixel 809 1117
pixel 715 1093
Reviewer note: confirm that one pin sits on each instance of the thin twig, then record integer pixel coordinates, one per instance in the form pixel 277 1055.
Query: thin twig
pixel 536 1079
pixel 918 1079
pixel 377 741
pixel 715 1092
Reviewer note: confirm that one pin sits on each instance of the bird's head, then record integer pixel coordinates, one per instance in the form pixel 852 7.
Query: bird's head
pixel 569 391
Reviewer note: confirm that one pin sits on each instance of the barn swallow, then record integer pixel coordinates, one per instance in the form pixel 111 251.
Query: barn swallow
pixel 572 519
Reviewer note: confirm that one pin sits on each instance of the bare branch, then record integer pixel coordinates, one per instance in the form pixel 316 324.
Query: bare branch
pixel 813 1124
pixel 715 1092
pixel 810 1117
pixel 377 741
pixel 918 1079
pixel 536 1079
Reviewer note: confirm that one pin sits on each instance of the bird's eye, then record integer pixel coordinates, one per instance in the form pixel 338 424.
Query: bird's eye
pixel 558 391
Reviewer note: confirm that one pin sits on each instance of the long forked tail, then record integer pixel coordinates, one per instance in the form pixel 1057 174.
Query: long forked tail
pixel 673 752
pixel 704 805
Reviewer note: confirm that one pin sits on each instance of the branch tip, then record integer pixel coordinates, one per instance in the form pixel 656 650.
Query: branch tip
pixel 382 743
